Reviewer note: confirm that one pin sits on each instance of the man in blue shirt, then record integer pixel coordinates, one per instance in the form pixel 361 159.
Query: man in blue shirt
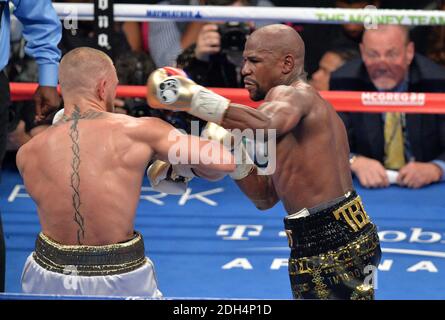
pixel 42 30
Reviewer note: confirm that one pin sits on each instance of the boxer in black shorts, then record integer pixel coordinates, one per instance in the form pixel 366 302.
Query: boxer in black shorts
pixel 334 245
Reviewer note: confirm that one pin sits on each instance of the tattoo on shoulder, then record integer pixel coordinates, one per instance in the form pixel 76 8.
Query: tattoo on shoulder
pixel 75 176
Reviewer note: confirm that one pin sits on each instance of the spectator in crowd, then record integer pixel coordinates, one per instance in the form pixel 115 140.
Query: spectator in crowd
pixel 167 39
pixel 351 33
pixel 134 30
pixel 42 30
pixel 345 37
pixel 215 60
pixel 423 36
pixel 84 36
pixel 329 62
pixel 412 144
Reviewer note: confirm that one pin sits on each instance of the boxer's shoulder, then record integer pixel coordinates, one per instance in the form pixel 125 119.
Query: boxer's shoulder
pixel 292 92
pixel 295 99
pixel 147 128
pixel 27 152
pixel 152 123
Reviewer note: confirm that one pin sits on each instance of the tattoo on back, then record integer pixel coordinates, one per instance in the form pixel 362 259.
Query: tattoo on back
pixel 75 165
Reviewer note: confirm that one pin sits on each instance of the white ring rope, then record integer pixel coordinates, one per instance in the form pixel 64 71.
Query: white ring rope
pixel 370 16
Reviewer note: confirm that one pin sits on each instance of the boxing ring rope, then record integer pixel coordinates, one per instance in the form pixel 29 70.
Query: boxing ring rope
pixel 141 12
pixel 343 101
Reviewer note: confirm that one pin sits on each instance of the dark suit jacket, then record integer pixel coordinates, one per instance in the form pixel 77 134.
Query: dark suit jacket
pixel 426 133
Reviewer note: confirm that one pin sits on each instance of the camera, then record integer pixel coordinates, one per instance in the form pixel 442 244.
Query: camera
pixel 233 36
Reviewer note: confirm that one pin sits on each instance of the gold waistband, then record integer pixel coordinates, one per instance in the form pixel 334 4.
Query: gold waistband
pixel 329 228
pixel 364 245
pixel 85 260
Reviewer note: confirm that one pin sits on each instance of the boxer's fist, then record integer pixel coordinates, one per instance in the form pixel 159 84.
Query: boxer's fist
pixel 244 165
pixel 169 88
pixel 214 132
pixel 58 116
pixel 168 178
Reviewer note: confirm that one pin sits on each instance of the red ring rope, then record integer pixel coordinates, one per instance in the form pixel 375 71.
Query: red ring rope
pixel 346 101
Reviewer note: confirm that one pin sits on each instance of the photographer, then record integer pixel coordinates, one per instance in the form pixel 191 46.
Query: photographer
pixel 216 58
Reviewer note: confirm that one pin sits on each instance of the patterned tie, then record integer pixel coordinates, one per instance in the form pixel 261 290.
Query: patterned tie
pixel 394 149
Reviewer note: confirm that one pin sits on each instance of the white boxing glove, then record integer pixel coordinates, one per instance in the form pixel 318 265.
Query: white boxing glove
pixel 244 165
pixel 58 116
pixel 169 88
pixel 167 178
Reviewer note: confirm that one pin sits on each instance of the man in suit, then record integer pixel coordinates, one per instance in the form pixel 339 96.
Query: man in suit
pixel 411 144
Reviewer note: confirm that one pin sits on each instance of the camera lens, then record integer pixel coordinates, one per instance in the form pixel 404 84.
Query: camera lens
pixel 233 36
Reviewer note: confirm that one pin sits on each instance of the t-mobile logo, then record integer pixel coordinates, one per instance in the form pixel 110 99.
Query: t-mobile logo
pixel 238 232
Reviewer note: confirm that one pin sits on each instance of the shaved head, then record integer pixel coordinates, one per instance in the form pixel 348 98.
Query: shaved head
pixel 383 30
pixel 88 74
pixel 280 40
pixel 387 54
pixel 82 69
pixel 273 55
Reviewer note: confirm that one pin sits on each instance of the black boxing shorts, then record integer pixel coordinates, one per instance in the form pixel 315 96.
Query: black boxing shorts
pixel 335 251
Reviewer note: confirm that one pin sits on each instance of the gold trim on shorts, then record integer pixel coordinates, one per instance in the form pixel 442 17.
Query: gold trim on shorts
pixel 352 212
pixel 366 244
pixel 83 260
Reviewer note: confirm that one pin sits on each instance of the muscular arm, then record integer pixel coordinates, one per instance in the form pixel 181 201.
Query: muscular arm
pixel 132 30
pixel 259 189
pixel 169 144
pixel 282 110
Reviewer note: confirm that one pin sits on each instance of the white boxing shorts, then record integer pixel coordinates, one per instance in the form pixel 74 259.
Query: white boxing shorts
pixel 111 270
